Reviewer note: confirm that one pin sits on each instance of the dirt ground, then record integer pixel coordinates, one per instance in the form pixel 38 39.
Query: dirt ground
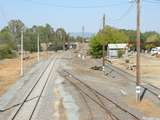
pixel 147 107
pixel 10 70
pixel 150 67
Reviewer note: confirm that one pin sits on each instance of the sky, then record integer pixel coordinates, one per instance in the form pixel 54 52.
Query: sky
pixel 73 14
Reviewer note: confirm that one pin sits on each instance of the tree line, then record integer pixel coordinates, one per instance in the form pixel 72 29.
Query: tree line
pixel 10 37
pixel 110 34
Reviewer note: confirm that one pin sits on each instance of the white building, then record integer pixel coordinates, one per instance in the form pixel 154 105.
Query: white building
pixel 114 48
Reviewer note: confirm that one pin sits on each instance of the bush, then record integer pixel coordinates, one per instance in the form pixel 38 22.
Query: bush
pixel 120 53
pixel 6 52
pixel 95 48
pixel 126 60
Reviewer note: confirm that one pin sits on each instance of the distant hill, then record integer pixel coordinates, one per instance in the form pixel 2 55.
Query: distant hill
pixel 86 34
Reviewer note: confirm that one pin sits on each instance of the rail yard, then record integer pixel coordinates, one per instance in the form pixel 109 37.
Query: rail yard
pixel 91 94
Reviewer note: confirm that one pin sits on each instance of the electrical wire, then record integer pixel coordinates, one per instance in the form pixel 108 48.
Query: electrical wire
pixel 152 1
pixel 125 14
pixel 3 14
pixel 70 6
pixel 155 1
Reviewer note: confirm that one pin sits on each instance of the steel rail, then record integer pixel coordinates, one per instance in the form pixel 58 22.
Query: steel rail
pixel 31 90
pixel 118 70
pixel 85 100
pixel 106 98
pixel 95 101
pixel 42 90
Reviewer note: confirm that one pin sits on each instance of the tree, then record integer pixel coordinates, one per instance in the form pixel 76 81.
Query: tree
pixel 95 47
pixel 47 34
pixel 30 40
pixel 61 37
pixel 7 38
pixel 11 34
pixel 106 36
pixel 152 41
pixel 7 44
pixel 15 27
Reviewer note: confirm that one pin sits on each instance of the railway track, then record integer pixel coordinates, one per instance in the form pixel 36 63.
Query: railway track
pixel 112 110
pixel 83 97
pixel 26 109
pixel 110 69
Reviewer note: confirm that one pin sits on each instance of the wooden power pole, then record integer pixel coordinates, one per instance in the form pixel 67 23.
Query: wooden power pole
pixel 38 47
pixel 22 53
pixel 103 59
pixel 138 53
pixel 83 34
pixel 83 45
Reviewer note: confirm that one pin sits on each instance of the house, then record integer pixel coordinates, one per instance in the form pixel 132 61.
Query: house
pixel 113 49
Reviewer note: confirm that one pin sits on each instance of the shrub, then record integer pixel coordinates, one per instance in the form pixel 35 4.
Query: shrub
pixel 6 52
pixel 95 48
pixel 120 53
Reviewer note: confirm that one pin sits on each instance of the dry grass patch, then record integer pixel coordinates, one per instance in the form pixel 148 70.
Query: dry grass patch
pixel 10 70
pixel 147 107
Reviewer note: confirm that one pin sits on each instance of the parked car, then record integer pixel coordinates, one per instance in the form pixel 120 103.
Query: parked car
pixel 155 51
pixel 158 51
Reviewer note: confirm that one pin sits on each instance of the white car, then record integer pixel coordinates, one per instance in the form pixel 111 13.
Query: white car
pixel 155 51
pixel 158 51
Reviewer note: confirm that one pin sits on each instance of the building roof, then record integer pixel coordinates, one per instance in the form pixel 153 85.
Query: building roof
pixel 117 46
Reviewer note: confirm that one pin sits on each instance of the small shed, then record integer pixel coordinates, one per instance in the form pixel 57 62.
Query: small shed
pixel 114 48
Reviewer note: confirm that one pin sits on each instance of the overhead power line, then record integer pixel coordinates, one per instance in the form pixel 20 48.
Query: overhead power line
pixel 125 14
pixel 3 14
pixel 152 1
pixel 156 1
pixel 71 6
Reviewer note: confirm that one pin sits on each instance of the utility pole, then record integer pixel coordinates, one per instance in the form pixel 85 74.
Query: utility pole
pixel 22 53
pixel 138 53
pixel 82 55
pixel 38 47
pixel 63 39
pixel 83 34
pixel 103 59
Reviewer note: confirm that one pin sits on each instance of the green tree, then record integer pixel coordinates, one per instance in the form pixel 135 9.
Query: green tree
pixel 106 36
pixel 7 38
pixel 152 41
pixel 61 37
pixel 95 47
pixel 7 44
pixel 15 27
pixel 30 40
